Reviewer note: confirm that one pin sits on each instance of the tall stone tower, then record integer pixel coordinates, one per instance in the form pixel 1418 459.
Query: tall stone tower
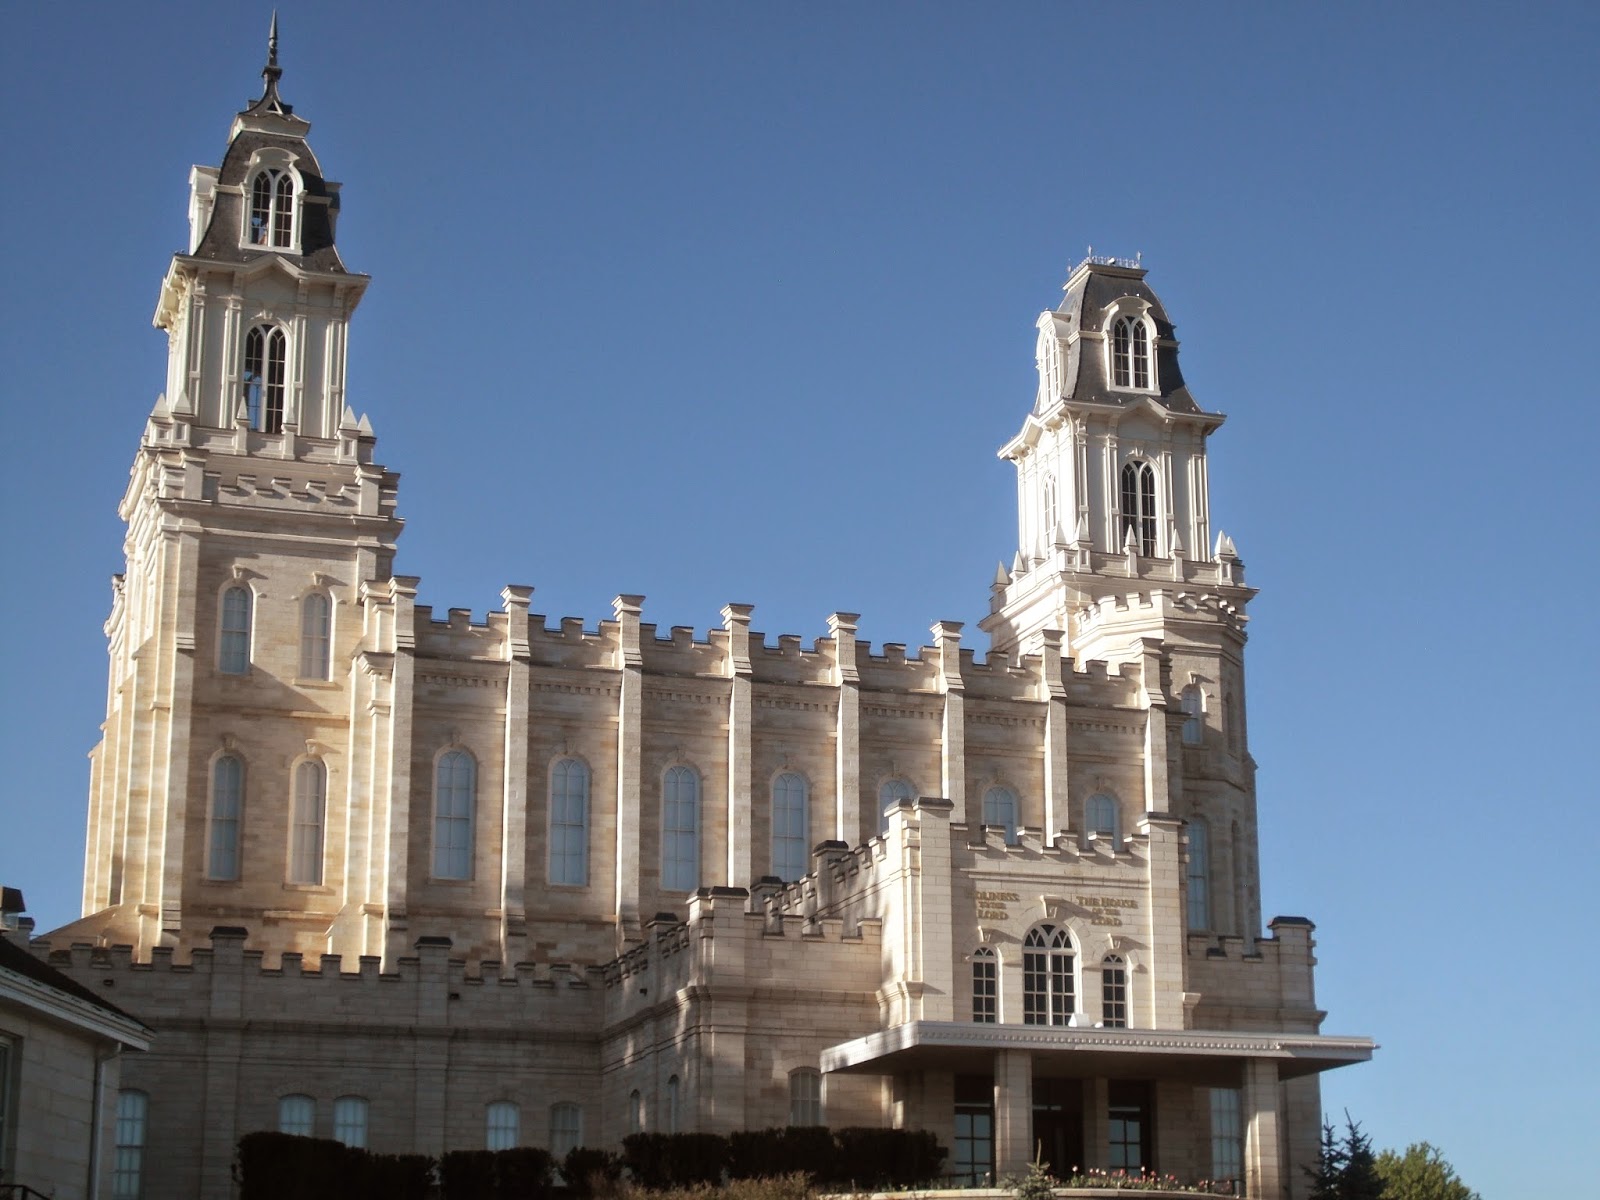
pixel 1116 559
pixel 256 519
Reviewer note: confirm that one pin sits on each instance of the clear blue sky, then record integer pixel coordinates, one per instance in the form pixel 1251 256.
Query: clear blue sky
pixel 732 302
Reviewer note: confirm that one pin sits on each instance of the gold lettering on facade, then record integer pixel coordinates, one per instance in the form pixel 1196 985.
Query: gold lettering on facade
pixel 1106 910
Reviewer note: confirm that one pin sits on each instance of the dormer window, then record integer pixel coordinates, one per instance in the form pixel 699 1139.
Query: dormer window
pixel 1130 354
pixel 264 359
pixel 271 221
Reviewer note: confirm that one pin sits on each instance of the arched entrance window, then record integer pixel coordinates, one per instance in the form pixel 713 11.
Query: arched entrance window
pixel 1049 993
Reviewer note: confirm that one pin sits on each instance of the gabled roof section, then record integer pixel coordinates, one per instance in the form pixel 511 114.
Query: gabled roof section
pixel 1099 290
pixel 19 961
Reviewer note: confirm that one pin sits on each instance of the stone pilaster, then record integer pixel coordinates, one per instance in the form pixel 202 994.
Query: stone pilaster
pixel 847 739
pixel 1056 818
pixel 401 636
pixel 630 713
pixel 514 804
pixel 1013 1112
pixel 1263 1170
pixel 1163 976
pixel 736 621
pixel 953 739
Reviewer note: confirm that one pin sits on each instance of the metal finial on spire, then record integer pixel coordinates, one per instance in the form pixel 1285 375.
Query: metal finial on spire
pixel 270 74
pixel 272 41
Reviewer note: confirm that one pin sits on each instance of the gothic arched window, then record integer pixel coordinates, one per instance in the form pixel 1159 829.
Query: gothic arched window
pixel 455 786
pixel 680 830
pixel 265 358
pixel 1199 874
pixel 985 986
pixel 1139 506
pixel 1113 992
pixel 1193 715
pixel 890 793
pixel 310 804
pixel 569 823
pixel 1130 353
pixel 1000 809
pixel 790 825
pixel 1052 517
pixel 1049 992
pixel 233 647
pixel 227 810
pixel 271 210
pixel 316 636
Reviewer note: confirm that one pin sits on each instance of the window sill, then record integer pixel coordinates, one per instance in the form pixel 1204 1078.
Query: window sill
pixel 314 889
pixel 321 685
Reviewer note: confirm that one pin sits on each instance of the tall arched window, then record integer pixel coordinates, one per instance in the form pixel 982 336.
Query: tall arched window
pixel 127 1164
pixel 569 823
pixel 1049 992
pixel 297 1115
pixel 1139 506
pixel 1193 715
pixel 1199 874
pixel 566 1129
pixel 805 1097
pixel 890 793
pixel 310 806
pixel 1130 353
pixel 1100 817
pixel 271 210
pixel 790 825
pixel 1113 992
pixel 680 830
pixel 674 1103
pixel 316 636
pixel 635 1112
pixel 503 1126
pixel 264 372
pixel 985 986
pixel 454 799
pixel 1000 810
pixel 227 808
pixel 350 1121
pixel 1051 515
pixel 233 647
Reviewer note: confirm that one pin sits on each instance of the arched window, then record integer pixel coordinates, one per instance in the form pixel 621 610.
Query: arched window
pixel 1051 515
pixel 805 1097
pixel 310 806
pixel 1113 992
pixel 674 1101
pixel 297 1115
pixel 635 1112
pixel 454 799
pixel 1100 817
pixel 1130 353
pixel 127 1164
pixel 1000 810
pixel 566 1129
pixel 1139 506
pixel 790 825
pixel 1049 993
pixel 1193 715
pixel 227 808
pixel 985 986
pixel 1199 874
pixel 233 647
pixel 316 636
pixel 890 793
pixel 271 210
pixel 569 823
pixel 264 372
pixel 680 830
pixel 503 1126
pixel 350 1121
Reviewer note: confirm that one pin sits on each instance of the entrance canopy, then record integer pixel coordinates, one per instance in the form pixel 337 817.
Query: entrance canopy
pixel 1204 1056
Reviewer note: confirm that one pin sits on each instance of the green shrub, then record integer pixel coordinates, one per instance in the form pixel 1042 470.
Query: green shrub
pixel 271 1165
pixel 877 1159
pixel 467 1175
pixel 590 1172
pixel 674 1160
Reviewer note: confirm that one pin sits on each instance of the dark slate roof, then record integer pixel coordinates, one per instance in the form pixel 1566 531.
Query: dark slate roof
pixel 220 242
pixel 1091 293
pixel 15 958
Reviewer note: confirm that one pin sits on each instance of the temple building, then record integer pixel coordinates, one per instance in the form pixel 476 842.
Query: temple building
pixel 426 881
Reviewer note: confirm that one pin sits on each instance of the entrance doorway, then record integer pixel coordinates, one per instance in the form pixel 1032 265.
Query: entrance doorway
pixel 1058 1124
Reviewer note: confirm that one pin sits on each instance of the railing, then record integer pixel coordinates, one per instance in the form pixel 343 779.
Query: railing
pixel 20 1191
pixel 1111 260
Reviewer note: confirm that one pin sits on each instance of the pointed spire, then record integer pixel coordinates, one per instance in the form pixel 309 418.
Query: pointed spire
pixel 270 74
pixel 1001 578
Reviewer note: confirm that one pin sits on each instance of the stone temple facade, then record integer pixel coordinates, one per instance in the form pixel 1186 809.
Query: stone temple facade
pixel 428 883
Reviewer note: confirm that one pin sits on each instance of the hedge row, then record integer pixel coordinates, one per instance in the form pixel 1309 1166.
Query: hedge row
pixel 275 1165
pixel 853 1158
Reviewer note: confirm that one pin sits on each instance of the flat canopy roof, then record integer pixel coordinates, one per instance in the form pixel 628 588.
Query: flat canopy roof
pixel 1203 1056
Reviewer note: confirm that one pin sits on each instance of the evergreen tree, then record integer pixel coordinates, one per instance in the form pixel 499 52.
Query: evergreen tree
pixel 1421 1173
pixel 1359 1180
pixel 1327 1174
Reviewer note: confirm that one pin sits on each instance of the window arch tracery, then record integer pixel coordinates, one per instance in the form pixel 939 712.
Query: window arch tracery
pixel 265 372
pixel 1139 505
pixel 1049 986
pixel 272 209
pixel 1130 353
